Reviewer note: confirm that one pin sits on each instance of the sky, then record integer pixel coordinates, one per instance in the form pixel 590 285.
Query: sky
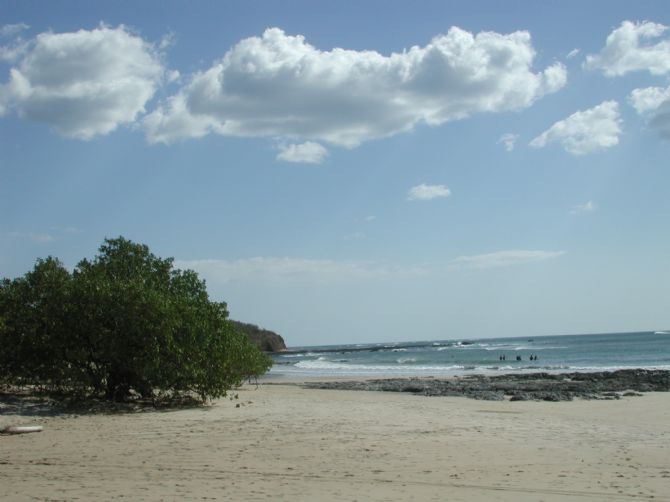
pixel 352 172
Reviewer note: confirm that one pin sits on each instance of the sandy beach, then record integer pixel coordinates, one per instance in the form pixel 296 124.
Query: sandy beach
pixel 283 442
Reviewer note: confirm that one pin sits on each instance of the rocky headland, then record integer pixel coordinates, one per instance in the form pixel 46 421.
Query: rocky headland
pixel 266 340
pixel 521 387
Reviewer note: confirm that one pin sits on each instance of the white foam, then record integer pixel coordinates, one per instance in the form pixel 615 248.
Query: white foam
pixel 522 347
pixel 323 367
pixel 405 360
pixel 341 367
pixel 301 354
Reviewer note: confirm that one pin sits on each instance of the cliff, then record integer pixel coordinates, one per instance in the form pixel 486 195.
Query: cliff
pixel 266 340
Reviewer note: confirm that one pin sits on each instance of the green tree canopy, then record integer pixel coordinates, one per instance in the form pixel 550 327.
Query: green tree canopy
pixel 125 320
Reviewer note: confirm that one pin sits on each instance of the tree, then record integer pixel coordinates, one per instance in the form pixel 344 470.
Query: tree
pixel 127 320
pixel 32 309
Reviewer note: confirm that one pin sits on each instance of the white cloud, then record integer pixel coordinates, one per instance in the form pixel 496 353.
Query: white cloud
pixel 508 140
pixel 306 153
pixel 301 270
pixel 427 192
pixel 502 259
pixel 278 85
pixel 585 131
pixel 583 208
pixel 370 218
pixel 625 51
pixel 11 30
pixel 40 238
pixel 172 76
pixel 265 269
pixel 67 230
pixel 648 99
pixel 661 120
pixel 167 41
pixel 84 83
pixel 654 104
pixel 12 52
pixel 573 53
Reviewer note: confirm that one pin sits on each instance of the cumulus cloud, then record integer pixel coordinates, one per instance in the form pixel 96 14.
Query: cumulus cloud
pixel 508 140
pixel 260 268
pixel 653 103
pixel 585 131
pixel 278 85
pixel 583 208
pixel 648 99
pixel 306 153
pixel 84 83
pixel 626 51
pixel 502 259
pixel 428 192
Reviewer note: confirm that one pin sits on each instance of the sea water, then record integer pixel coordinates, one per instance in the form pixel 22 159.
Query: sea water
pixel 566 353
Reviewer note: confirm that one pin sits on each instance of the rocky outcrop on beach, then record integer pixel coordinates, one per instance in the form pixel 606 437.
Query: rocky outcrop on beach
pixel 521 387
pixel 266 340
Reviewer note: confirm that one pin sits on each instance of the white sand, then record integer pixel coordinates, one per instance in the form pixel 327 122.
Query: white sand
pixel 288 443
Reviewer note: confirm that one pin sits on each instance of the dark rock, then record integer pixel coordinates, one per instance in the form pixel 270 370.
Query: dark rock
pixel 486 395
pixel 610 395
pixel 412 388
pixel 522 387
pixel 554 397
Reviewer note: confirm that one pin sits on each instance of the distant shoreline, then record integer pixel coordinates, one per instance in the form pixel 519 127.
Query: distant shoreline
pixel 490 356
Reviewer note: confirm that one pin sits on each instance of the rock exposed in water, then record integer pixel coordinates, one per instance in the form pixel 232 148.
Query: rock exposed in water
pixel 266 340
pixel 521 387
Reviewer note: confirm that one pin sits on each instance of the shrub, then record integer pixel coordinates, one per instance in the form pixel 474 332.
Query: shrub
pixel 127 320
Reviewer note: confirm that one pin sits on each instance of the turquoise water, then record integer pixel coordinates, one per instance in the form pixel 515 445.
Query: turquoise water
pixel 454 357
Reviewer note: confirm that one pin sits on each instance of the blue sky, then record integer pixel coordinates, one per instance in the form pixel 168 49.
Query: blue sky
pixel 353 172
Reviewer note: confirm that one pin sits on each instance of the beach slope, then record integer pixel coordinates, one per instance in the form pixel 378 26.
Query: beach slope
pixel 285 442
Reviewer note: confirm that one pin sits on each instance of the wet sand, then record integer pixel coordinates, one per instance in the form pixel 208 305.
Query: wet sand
pixel 284 442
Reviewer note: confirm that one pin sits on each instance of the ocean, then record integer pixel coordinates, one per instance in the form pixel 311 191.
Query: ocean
pixel 565 353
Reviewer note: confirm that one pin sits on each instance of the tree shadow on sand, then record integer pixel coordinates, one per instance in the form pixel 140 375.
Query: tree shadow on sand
pixel 35 404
